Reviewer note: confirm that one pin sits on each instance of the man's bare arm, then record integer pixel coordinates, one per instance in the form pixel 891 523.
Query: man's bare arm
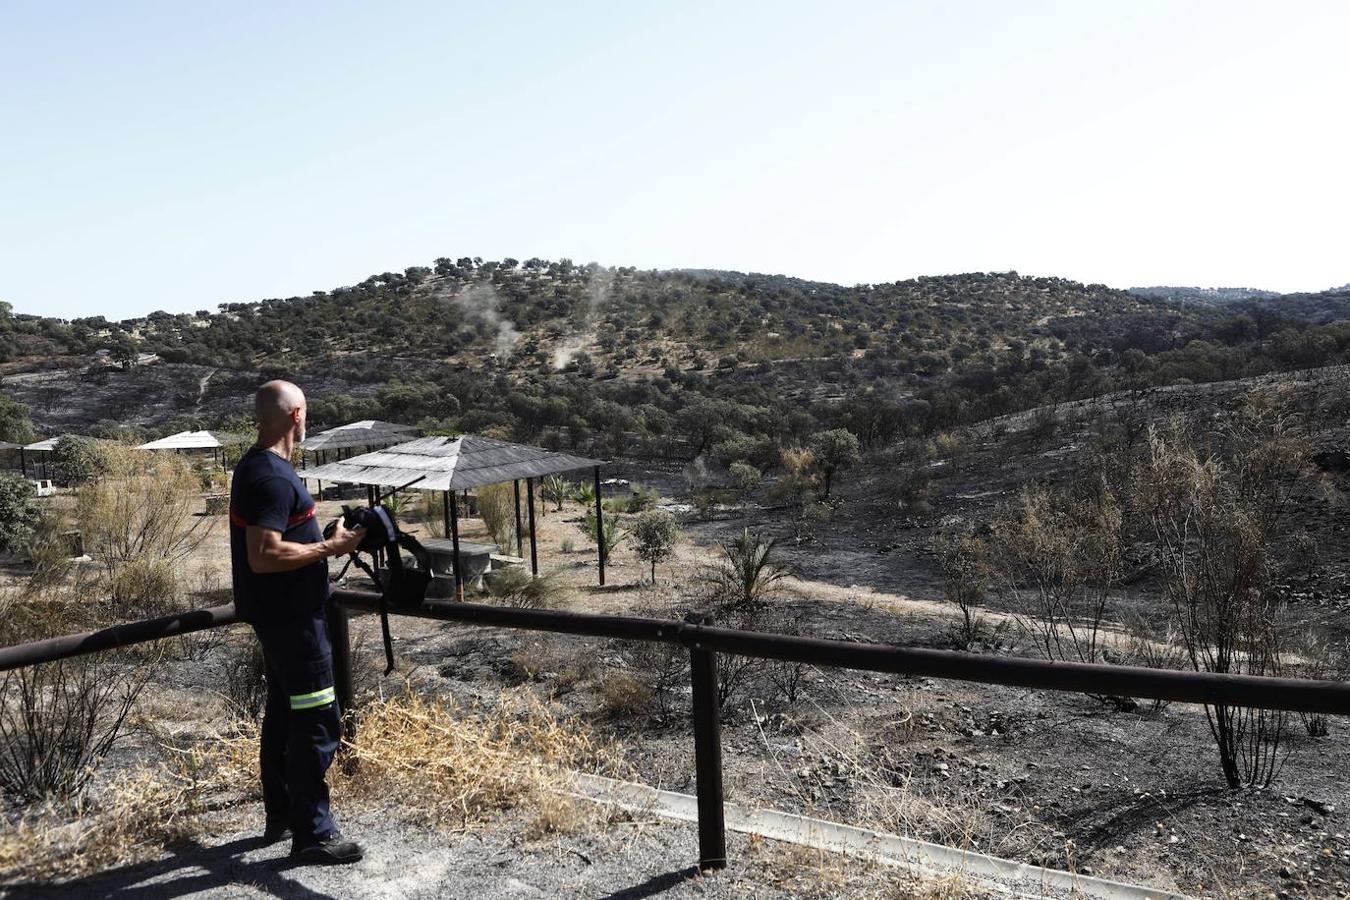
pixel 269 552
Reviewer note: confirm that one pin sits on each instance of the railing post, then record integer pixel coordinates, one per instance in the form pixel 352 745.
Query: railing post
pixel 712 837
pixel 600 525
pixel 339 635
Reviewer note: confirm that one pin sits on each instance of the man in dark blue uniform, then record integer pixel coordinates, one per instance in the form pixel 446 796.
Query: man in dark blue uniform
pixel 278 556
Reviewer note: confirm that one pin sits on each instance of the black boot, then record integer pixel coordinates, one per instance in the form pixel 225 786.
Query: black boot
pixel 331 851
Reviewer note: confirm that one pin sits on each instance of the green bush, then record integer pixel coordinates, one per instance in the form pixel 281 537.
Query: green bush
pixel 15 424
pixel 19 513
pixel 744 479
pixel 639 499
pixel 76 460
pixel 643 498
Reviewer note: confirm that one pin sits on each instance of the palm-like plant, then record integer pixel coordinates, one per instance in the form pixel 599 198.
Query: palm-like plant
pixel 584 494
pixel 747 570
pixel 555 489
pixel 613 536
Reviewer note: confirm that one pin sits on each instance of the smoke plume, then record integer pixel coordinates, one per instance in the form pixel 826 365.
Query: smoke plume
pixel 481 302
pixel 596 296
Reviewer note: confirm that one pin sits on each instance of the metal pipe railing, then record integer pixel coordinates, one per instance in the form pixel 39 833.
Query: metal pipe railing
pixel 115 636
pixel 1255 691
pixel 706 641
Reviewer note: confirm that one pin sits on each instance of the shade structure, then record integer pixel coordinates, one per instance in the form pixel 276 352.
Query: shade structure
pixel 44 446
pixel 192 440
pixel 366 433
pixel 7 445
pixel 449 464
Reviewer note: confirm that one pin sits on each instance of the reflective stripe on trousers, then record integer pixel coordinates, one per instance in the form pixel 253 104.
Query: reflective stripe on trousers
pixel 317 698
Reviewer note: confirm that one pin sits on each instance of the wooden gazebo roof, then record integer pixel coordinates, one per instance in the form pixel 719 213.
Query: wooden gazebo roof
pixel 449 464
pixel 366 433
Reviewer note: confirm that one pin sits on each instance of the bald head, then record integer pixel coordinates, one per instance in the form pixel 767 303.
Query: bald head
pixel 275 404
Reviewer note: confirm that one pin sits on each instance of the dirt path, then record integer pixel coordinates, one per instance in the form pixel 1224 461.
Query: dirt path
pixel 630 858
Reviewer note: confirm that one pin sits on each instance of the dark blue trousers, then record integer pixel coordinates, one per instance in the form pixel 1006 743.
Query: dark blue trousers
pixel 301 726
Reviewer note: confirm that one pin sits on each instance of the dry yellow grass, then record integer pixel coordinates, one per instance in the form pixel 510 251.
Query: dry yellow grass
pixel 147 811
pixel 623 694
pixel 450 765
pixel 434 761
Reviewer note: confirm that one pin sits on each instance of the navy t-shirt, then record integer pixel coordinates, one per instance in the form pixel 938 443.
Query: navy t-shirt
pixel 267 492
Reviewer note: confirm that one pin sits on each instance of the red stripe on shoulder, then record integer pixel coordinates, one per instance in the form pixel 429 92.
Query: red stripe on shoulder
pixel 301 516
pixel 236 519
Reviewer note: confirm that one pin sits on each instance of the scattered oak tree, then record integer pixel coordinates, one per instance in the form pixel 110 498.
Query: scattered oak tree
pixel 76 460
pixel 835 450
pixel 654 534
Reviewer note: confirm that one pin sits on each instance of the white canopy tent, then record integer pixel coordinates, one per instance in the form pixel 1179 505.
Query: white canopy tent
pixel 186 440
pixel 215 441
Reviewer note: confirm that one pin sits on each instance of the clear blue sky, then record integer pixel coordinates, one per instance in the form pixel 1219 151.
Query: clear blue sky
pixel 179 155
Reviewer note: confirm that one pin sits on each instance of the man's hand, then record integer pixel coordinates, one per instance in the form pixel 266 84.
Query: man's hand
pixel 344 540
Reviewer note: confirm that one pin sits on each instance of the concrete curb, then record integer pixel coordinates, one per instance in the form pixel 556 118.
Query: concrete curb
pixel 1003 875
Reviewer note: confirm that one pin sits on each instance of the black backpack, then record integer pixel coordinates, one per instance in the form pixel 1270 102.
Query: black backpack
pixel 400 587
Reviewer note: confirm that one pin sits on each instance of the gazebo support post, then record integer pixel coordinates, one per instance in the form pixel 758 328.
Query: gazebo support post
pixel 370 500
pixel 445 512
pixel 600 525
pixel 534 549
pixel 520 532
pixel 23 464
pixel 454 543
